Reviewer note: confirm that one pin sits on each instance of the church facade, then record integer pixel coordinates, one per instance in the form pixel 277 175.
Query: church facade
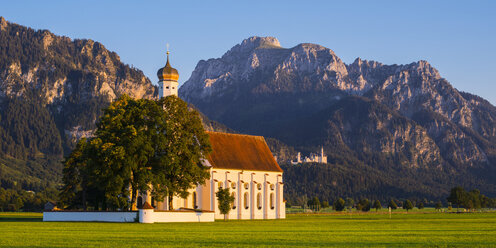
pixel 242 163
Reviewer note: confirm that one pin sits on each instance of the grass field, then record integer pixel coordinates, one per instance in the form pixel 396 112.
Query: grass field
pixel 370 230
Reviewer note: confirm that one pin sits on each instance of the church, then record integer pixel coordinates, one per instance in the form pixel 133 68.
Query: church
pixel 242 163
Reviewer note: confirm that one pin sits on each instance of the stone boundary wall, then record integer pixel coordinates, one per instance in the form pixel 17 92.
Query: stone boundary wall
pixel 91 216
pixel 142 216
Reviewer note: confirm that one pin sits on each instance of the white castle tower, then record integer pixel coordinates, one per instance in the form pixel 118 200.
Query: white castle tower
pixel 167 80
pixel 323 158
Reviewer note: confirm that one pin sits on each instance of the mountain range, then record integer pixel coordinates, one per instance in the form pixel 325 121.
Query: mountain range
pixel 400 119
pixel 389 130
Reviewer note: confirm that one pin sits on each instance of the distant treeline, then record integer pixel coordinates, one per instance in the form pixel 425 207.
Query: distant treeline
pixel 471 200
pixel 346 178
pixel 16 200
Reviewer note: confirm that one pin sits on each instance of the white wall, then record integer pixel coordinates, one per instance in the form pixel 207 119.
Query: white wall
pixel 91 216
pixel 152 216
pixel 173 216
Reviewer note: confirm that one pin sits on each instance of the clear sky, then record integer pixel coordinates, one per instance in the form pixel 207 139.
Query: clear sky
pixel 456 37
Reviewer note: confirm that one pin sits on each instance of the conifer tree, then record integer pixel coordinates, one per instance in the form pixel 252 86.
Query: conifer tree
pixel 225 200
pixel 377 205
pixel 392 204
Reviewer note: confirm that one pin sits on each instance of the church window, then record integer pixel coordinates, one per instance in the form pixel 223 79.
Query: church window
pixel 233 185
pixel 271 200
pixel 234 202
pixel 247 204
pixel 259 201
pixel 195 205
pixel 247 185
pixel 259 186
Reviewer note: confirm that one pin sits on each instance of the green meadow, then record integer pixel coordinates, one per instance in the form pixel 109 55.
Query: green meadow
pixel 298 230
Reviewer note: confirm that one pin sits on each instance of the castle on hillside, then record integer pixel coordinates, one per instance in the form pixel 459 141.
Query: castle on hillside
pixel 313 158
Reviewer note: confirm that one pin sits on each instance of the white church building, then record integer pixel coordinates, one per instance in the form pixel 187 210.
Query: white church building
pixel 242 163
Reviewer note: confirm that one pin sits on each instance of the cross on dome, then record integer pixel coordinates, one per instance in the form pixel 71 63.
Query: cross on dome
pixel 167 73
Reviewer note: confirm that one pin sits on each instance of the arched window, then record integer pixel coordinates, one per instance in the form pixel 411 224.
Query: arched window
pixel 246 200
pixel 272 187
pixel 220 185
pixel 259 186
pixel 139 202
pixel 234 202
pixel 259 201
pixel 247 185
pixel 233 185
pixel 195 205
pixel 272 201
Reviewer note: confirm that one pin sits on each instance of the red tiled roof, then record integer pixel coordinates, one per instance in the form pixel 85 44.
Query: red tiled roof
pixel 241 152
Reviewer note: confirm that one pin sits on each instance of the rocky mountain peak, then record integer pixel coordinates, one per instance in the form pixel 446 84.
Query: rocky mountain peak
pixel 3 23
pixel 424 67
pixel 359 62
pixel 252 43
pixel 256 42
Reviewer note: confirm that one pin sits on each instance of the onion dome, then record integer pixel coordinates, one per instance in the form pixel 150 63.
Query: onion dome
pixel 167 72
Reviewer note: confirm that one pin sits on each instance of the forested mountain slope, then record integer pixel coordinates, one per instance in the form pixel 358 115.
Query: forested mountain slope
pixel 52 90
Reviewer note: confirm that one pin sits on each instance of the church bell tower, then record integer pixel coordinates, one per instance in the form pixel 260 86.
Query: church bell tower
pixel 167 80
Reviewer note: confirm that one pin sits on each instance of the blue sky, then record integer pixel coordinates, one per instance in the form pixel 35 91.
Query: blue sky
pixel 458 38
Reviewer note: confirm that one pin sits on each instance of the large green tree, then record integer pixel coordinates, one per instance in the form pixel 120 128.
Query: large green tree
pixel 139 146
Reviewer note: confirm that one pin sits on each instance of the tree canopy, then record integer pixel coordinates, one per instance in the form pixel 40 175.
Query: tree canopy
pixel 472 199
pixel 139 146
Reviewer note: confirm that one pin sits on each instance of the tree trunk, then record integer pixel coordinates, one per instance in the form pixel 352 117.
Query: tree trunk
pixel 133 197
pixel 85 206
pixel 170 196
